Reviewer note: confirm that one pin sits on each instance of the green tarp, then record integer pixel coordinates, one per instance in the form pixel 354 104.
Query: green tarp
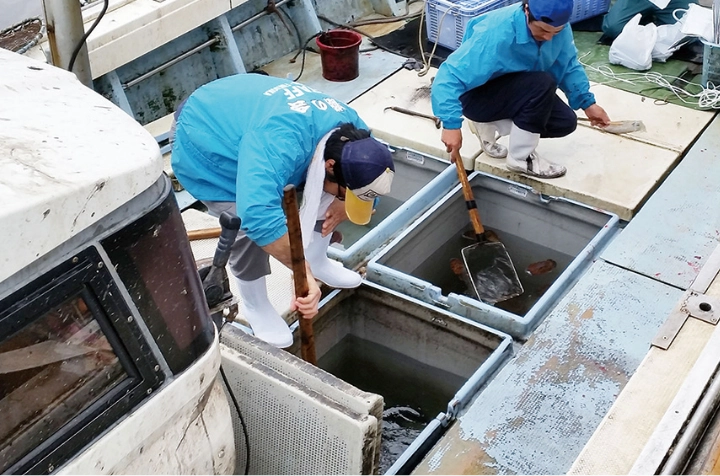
pixel 595 58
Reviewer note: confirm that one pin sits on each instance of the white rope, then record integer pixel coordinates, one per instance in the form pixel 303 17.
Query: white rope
pixel 426 62
pixel 707 98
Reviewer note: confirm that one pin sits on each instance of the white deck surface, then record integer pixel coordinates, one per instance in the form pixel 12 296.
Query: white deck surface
pixel 372 65
pixel 615 173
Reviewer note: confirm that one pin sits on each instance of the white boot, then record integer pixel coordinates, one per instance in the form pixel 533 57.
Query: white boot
pixel 326 270
pixel 488 133
pixel 266 323
pixel 523 157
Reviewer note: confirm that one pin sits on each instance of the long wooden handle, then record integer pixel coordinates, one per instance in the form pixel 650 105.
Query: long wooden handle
pixel 469 199
pixel 204 234
pixel 297 256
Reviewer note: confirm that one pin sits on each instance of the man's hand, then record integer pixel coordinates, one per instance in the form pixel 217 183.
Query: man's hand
pixel 452 138
pixel 308 305
pixel 597 115
pixel 334 215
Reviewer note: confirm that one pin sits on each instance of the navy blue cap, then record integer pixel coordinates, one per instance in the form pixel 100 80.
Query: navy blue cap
pixel 363 161
pixel 553 12
pixel 368 171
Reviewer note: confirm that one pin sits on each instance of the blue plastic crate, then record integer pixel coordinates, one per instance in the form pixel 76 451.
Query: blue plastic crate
pixel 585 9
pixel 445 20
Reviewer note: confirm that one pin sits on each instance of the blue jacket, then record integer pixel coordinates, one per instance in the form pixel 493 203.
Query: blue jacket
pixel 245 137
pixel 497 43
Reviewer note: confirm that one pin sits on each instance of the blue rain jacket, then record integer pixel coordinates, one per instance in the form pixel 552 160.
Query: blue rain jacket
pixel 245 137
pixel 497 43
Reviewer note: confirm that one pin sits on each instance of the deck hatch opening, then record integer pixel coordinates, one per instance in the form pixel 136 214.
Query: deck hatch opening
pixel 551 242
pixel 418 359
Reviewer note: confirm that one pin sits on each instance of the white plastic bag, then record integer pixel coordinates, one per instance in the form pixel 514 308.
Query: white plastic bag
pixel 669 39
pixel 633 46
pixel 697 21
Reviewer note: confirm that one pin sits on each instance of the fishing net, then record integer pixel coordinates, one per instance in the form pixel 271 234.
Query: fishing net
pixel 22 36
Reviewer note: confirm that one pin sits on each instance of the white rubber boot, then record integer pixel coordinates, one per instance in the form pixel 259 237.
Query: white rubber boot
pixel 489 133
pixel 265 321
pixel 326 270
pixel 522 156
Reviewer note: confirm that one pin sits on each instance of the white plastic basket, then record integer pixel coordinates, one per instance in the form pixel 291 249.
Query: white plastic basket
pixel 445 20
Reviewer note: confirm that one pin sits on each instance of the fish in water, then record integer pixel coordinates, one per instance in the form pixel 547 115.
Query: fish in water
pixel 457 266
pixel 400 413
pixel 541 267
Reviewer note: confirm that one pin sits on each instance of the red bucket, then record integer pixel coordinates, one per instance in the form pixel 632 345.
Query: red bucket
pixel 339 54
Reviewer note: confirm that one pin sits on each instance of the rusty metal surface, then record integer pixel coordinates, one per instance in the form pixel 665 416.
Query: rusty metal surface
pixel 536 415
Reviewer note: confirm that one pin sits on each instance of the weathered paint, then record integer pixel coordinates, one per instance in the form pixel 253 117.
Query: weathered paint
pixel 680 224
pixel 57 179
pixel 541 408
pixel 185 428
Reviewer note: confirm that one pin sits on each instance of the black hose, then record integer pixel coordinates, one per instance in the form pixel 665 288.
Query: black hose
pixel 80 44
pixel 242 421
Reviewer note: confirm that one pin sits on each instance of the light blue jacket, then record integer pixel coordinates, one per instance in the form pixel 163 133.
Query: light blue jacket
pixel 245 137
pixel 497 43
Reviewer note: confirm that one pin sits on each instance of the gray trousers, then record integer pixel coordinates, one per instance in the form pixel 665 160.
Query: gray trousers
pixel 247 260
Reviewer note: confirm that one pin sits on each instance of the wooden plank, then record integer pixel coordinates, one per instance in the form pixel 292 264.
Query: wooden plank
pixel 606 171
pixel 669 126
pixel 39 355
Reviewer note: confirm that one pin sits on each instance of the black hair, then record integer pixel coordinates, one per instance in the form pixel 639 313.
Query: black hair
pixel 531 17
pixel 526 8
pixel 345 133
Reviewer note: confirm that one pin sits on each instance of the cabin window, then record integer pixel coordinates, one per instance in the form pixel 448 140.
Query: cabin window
pixel 72 362
pixel 153 258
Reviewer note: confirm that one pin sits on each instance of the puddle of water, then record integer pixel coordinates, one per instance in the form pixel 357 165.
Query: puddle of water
pixel 436 269
pixel 414 393
pixel 352 233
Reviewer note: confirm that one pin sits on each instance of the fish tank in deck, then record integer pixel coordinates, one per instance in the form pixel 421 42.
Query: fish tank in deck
pixel 550 240
pixel 426 363
pixel 419 180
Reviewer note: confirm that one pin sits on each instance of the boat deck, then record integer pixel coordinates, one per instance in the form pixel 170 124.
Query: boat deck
pixel 544 405
pixel 577 363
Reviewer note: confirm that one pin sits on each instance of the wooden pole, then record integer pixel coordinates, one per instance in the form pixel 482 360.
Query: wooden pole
pixel 307 337
pixel 204 234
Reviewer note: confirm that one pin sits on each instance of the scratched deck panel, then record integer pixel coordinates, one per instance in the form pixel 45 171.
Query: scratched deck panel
pixel 373 67
pixel 606 171
pixel 537 414
pixel 407 90
pixel 626 429
pixel 679 226
pixel 668 126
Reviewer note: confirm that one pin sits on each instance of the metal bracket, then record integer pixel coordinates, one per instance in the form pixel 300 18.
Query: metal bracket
pixel 693 303
pixel 703 307
pixel 672 325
